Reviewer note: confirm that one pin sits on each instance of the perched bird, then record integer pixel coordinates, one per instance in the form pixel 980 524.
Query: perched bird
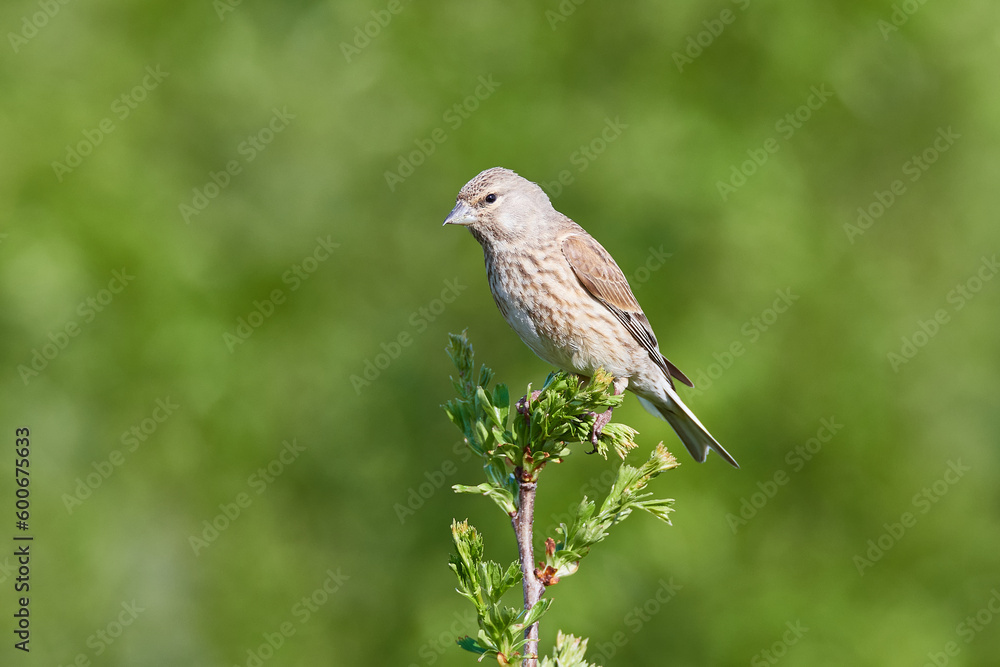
pixel 563 294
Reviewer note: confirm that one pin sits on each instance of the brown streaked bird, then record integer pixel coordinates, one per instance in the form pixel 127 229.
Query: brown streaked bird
pixel 565 296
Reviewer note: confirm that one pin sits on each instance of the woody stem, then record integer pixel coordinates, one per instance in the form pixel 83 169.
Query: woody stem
pixel 523 522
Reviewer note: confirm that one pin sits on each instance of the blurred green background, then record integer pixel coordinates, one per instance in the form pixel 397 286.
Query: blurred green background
pixel 216 214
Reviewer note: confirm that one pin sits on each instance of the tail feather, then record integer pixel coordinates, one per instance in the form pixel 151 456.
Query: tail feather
pixel 692 433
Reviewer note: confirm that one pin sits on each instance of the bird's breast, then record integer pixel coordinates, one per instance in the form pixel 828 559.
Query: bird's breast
pixel 542 300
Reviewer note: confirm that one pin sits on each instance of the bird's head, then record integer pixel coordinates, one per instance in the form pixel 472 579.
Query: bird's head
pixel 499 204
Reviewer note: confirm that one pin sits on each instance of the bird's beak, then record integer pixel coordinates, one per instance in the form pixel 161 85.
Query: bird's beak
pixel 462 214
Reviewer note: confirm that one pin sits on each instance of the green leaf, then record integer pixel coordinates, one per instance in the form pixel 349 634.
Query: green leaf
pixel 471 645
pixel 568 652
pixel 660 508
pixel 481 435
pixel 501 396
pixel 502 497
pixel 537 610
pixel 490 647
pixel 485 375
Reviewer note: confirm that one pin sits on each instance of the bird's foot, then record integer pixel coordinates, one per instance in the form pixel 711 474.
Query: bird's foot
pixel 600 421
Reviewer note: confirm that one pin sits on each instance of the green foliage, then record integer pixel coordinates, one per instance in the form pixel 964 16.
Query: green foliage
pixel 568 652
pixel 560 414
pixel 483 582
pixel 515 450
pixel 586 529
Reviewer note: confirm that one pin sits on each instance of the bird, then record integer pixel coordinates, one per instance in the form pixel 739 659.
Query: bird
pixel 569 302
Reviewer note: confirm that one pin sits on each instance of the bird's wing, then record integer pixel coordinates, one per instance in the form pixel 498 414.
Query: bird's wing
pixel 597 271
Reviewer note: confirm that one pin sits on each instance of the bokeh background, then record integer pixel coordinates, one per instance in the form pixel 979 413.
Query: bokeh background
pixel 295 160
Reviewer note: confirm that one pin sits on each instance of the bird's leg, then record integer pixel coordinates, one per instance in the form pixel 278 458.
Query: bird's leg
pixel 601 420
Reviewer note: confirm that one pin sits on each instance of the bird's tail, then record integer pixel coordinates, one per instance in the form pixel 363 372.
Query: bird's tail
pixel 692 433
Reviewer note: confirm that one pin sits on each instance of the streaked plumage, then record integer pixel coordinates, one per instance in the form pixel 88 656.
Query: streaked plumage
pixel 565 296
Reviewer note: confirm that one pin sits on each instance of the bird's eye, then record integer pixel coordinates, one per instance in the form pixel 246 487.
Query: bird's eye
pixel 490 198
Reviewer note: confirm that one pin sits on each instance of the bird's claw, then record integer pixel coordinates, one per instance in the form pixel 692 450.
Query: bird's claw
pixel 600 421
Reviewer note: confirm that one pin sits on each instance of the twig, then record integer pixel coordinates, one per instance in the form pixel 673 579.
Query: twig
pixel 533 589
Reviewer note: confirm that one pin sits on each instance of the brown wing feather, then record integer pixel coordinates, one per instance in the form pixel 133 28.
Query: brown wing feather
pixel 597 271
